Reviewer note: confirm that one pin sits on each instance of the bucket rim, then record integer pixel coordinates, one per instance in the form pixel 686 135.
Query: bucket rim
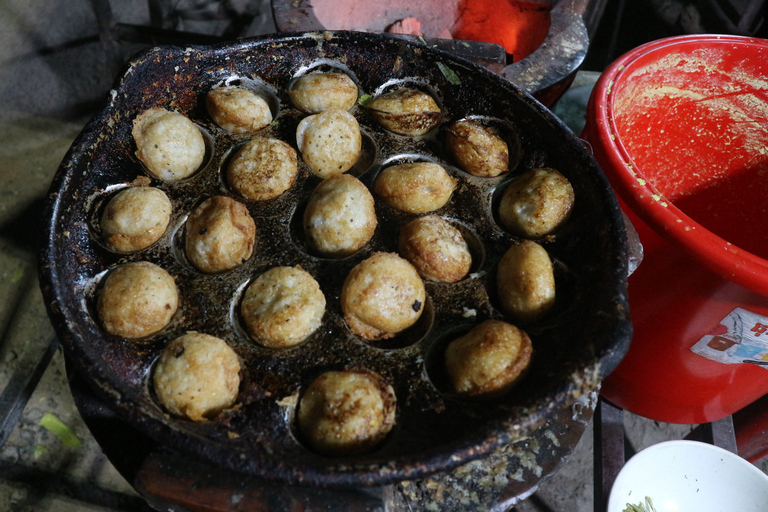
pixel 647 202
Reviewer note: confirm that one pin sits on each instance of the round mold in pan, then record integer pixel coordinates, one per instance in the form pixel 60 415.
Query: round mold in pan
pixel 575 347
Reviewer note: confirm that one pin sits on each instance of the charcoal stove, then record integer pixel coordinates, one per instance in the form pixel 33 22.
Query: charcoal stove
pixel 545 40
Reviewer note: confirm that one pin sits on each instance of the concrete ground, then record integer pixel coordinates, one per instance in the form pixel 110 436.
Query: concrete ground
pixel 54 74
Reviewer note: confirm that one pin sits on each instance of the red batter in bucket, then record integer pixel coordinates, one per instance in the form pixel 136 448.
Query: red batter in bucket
pixel 680 127
pixel 695 124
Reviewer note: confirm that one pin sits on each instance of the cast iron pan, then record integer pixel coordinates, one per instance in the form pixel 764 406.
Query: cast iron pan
pixel 576 345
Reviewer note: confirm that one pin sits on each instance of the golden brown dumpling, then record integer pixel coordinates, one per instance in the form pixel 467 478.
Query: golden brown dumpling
pixel 237 109
pixel 526 281
pixel 138 299
pixel 436 248
pixel 263 169
pixel 316 92
pixel 488 360
pixel 340 217
pixel 537 203
pixel 135 218
pixel 477 149
pixel 330 142
pixel 406 111
pixel 197 376
pixel 282 307
pixel 220 234
pixel 382 296
pixel 168 144
pixel 419 187
pixel 346 412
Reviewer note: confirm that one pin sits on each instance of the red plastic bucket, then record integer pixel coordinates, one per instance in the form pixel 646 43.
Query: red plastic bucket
pixel 680 127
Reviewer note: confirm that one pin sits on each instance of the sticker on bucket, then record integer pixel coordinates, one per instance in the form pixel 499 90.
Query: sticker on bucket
pixel 741 337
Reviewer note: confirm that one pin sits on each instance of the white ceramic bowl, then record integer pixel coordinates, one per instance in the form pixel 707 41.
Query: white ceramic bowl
pixel 683 476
